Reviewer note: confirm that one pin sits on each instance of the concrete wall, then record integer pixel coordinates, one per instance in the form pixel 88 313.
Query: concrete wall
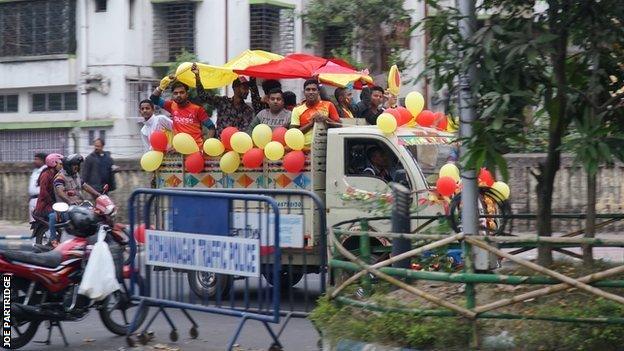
pixel 569 197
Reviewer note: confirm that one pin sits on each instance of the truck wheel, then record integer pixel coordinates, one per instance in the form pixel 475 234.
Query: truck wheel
pixel 287 280
pixel 207 285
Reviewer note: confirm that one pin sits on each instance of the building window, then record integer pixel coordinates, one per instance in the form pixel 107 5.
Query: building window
pixel 131 9
pixel 334 39
pixel 21 145
pixel 138 90
pixel 38 27
pixel 272 28
pixel 174 30
pixel 8 103
pixel 100 5
pixel 55 102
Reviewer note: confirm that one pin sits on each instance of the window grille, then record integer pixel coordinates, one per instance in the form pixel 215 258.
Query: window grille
pixel 21 145
pixel 37 27
pixel 137 91
pixel 100 5
pixel 67 101
pixel 8 103
pixel 272 28
pixel 334 41
pixel 174 30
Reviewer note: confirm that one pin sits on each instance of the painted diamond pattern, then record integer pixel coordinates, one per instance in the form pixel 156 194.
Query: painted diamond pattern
pixel 226 182
pixel 302 181
pixel 283 180
pixel 191 181
pixel 245 180
pixel 160 182
pixel 173 181
pixel 208 181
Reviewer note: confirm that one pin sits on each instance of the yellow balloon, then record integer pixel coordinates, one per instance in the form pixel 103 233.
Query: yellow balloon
pixel 450 170
pixel 502 190
pixel 294 139
pixel 184 144
pixel 151 160
pixel 229 162
pixel 453 124
pixel 274 150
pixel 414 102
pixel 241 142
pixel 387 123
pixel 261 135
pixel 213 147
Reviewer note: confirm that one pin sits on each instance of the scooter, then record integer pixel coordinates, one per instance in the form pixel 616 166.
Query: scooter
pixel 44 286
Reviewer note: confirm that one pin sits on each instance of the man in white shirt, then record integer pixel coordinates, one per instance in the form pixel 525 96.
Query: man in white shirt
pixel 33 184
pixel 152 122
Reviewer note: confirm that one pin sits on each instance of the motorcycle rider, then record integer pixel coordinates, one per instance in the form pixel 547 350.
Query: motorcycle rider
pixel 45 200
pixel 68 187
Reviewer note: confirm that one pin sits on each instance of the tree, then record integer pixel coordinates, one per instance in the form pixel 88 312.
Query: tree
pixel 534 61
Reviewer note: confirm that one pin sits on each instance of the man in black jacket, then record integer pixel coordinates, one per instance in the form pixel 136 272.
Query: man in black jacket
pixel 98 168
pixel 371 107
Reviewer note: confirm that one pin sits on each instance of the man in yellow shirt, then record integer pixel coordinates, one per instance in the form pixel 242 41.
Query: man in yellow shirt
pixel 314 110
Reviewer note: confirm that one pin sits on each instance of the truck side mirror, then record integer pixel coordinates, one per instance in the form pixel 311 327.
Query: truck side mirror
pixel 400 176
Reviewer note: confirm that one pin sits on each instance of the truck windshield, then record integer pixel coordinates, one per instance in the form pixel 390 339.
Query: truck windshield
pixel 430 157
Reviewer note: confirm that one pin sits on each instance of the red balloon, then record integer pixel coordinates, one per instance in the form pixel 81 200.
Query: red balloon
pixel 158 140
pixel 406 116
pixel 395 112
pixel 226 135
pixel 139 233
pixel 253 158
pixel 294 161
pixel 425 118
pixel 486 177
pixel 278 135
pixel 440 120
pixel 194 163
pixel 446 186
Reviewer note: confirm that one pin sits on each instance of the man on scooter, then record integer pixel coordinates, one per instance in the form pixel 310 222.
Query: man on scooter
pixel 68 187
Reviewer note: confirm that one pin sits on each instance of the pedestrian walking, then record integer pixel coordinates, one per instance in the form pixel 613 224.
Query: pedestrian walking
pixel 98 168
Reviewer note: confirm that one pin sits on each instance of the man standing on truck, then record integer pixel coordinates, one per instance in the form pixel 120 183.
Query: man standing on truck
pixel 274 116
pixel 187 117
pixel 313 111
pixel 371 108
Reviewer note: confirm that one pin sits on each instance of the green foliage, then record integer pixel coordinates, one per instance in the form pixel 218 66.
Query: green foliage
pixel 377 26
pixel 529 63
pixel 400 329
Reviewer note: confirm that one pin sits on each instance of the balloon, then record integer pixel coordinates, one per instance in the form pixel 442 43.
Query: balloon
pixel 253 158
pixel 406 116
pixel 229 162
pixel 425 118
pixel 261 135
pixel 151 160
pixel 274 150
pixel 184 144
pixel 415 102
pixel 446 186
pixel 501 190
pixel 213 147
pixel 486 177
pixel 395 113
pixel 226 135
pixel 294 161
pixel 139 233
pixel 159 140
pixel 241 142
pixel 386 123
pixel 394 80
pixel 440 120
pixel 453 124
pixel 194 163
pixel 278 135
pixel 450 170
pixel 294 139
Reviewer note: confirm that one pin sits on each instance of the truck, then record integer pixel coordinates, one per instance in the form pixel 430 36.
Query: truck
pixel 335 163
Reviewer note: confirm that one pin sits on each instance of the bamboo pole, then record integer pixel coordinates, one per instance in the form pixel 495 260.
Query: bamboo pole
pixel 420 293
pixel 546 271
pixel 548 290
pixel 396 258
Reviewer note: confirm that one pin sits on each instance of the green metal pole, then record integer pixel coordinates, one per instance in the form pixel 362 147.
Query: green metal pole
pixel 365 255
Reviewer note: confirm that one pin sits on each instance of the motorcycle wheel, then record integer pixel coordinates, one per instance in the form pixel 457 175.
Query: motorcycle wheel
pixel 115 313
pixel 21 331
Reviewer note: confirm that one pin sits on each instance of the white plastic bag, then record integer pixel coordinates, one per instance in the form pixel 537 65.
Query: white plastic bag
pixel 99 279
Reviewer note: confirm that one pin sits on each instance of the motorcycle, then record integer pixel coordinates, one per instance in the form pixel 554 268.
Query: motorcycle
pixel 44 285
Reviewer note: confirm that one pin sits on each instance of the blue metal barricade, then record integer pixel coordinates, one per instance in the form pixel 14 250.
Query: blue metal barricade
pixel 208 252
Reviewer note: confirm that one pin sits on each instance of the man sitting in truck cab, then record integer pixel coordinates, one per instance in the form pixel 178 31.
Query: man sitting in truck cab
pixel 378 164
pixel 313 111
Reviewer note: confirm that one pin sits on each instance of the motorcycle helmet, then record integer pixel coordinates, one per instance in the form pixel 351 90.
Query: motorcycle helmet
pixel 53 159
pixel 70 161
pixel 82 222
